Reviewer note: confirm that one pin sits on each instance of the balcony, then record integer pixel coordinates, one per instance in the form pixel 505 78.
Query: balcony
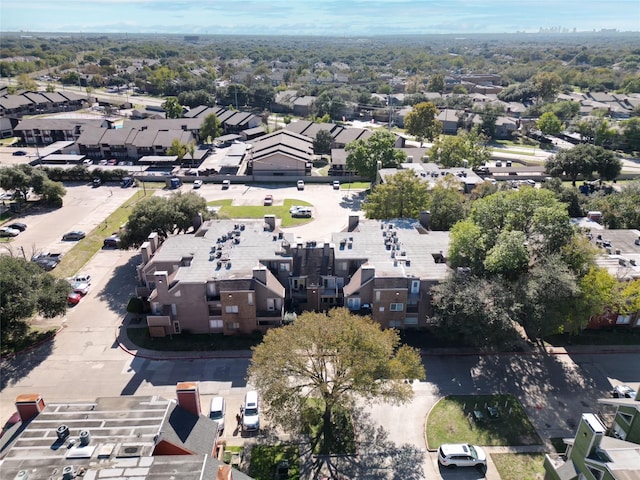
pixel 413 308
pixel 269 318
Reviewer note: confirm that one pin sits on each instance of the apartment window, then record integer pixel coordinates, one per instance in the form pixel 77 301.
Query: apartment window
pixel 353 303
pixel 411 321
pixel 395 323
pixel 284 267
pixel 231 309
pixel 377 295
pixel 623 320
pixel 396 307
pixel 250 298
pixel 214 310
pixel 415 286
pixel 214 324
pixel 626 417
pixel 343 265
pixel 233 325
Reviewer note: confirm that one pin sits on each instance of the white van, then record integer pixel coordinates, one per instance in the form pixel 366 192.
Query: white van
pixel 217 412
pixel 251 412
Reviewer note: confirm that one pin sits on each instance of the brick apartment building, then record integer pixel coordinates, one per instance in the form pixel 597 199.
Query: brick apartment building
pixel 230 277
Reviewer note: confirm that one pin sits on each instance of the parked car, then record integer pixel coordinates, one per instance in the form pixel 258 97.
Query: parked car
pixel 111 242
pixel 96 182
pixel 250 412
pixel 268 200
pixel 197 183
pixel 295 208
pixel 300 184
pixel 461 455
pixel 8 232
pixel 336 185
pixel 302 212
pixel 112 162
pixel 19 153
pixel 87 161
pixel 74 235
pixel 81 287
pixel 217 412
pixel 226 184
pixel 73 298
pixel 623 391
pixel 18 226
pixel 82 277
pixel 48 261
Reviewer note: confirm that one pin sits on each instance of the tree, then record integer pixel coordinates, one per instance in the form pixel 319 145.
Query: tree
pixel 584 160
pixel 421 122
pixel 488 118
pixel 172 108
pixel 210 129
pixel 446 204
pixel 178 149
pixel 597 291
pixel 322 142
pixel 26 290
pixel 452 151
pixel 632 133
pixel 333 359
pixel 509 256
pixel 548 84
pixel 403 195
pixel 25 82
pixel 51 192
pixel 364 155
pixel 436 83
pixel 165 216
pixel 549 124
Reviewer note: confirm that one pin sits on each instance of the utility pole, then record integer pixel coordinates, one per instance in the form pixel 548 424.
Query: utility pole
pixel 236 90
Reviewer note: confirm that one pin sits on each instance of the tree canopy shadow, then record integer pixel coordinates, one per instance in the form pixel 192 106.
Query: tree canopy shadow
pixel 353 201
pixel 17 367
pixel 121 286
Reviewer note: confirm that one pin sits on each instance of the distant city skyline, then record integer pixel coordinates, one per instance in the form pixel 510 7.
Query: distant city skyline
pixel 317 17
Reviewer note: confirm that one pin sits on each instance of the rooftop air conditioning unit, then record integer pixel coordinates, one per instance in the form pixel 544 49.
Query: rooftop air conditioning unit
pixel 68 472
pixel 62 432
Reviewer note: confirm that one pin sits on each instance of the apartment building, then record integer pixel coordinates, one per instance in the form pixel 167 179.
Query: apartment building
pixel 230 277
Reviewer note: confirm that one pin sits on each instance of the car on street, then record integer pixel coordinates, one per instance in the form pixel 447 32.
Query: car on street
pixel 197 183
pixel 336 184
pixel 8 232
pixel 19 153
pixel 81 287
pixel 226 184
pixel 73 298
pixel 461 455
pixel 623 391
pixel 17 226
pixel 81 277
pixel 268 200
pixel 111 242
pixel 74 235
pixel 300 184
pixel 96 182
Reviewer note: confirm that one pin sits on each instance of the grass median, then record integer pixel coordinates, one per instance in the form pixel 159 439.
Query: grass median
pixel 227 210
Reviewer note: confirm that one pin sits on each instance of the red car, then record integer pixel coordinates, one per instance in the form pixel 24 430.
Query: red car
pixel 73 298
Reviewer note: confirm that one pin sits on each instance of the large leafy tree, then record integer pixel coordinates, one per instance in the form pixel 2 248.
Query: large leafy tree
pixel 210 128
pixel 422 123
pixel 452 151
pixel 364 155
pixel 164 216
pixel 403 195
pixel 547 84
pixel 446 204
pixel 322 142
pixel 335 359
pixel 172 107
pixel 22 178
pixel 549 124
pixel 583 160
pixel 631 131
pixel 178 149
pixel 26 290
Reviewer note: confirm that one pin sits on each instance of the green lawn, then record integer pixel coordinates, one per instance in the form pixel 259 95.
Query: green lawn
pixel 520 466
pixel 451 421
pixel 265 459
pixel 191 342
pixel 596 337
pixel 355 186
pixel 227 210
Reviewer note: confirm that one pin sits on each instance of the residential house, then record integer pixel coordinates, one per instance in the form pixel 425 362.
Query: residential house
pixel 450 120
pixel 593 455
pixel 303 106
pixel 142 437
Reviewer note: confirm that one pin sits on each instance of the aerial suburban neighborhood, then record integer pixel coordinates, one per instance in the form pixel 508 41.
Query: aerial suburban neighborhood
pixel 318 258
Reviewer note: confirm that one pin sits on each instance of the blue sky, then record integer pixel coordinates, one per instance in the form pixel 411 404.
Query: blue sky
pixel 316 17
